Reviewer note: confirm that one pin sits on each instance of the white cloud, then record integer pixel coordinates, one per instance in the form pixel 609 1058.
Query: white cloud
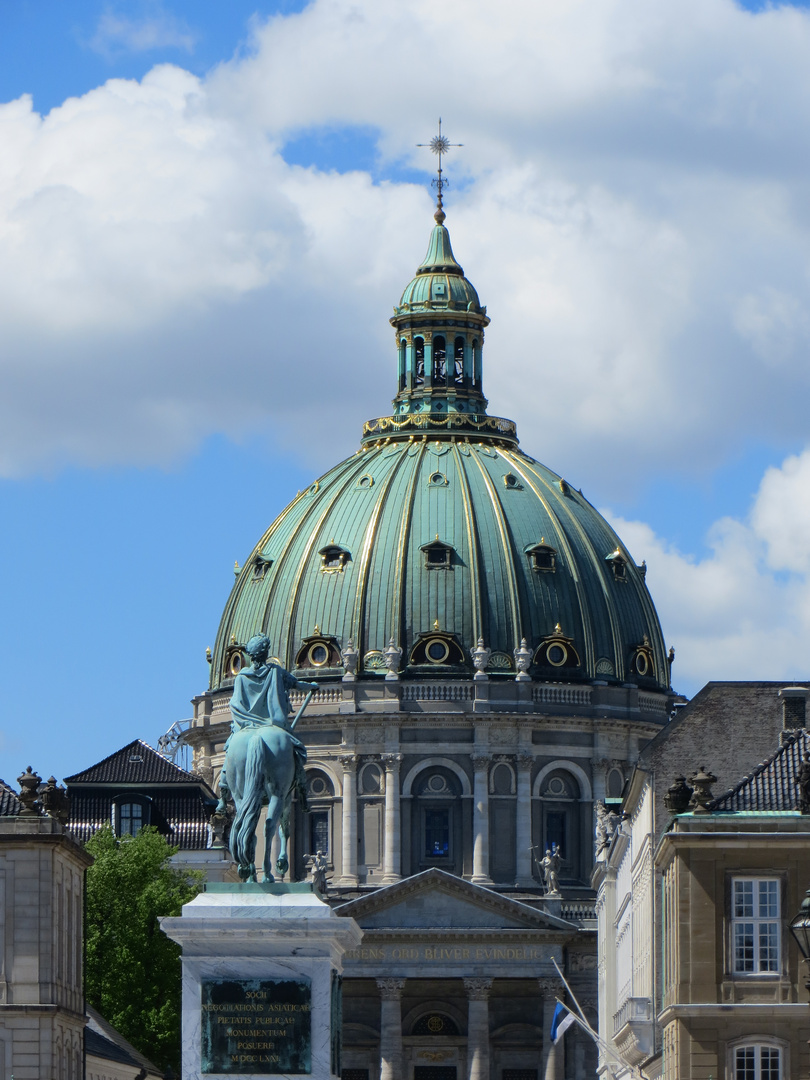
pixel 635 220
pixel 155 29
pixel 743 611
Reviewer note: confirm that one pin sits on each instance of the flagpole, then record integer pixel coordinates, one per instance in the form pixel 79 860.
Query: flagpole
pixel 582 1020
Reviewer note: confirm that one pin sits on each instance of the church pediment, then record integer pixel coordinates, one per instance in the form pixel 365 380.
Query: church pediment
pixel 437 900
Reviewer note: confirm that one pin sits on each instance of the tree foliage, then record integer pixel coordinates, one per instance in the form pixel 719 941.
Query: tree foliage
pixel 132 969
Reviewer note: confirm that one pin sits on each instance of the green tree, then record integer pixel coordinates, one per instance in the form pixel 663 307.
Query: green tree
pixel 132 969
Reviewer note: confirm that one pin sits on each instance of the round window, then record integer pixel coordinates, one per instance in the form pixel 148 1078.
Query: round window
pixel 437 651
pixel 557 654
pixel 642 663
pixel 317 786
pixel 318 655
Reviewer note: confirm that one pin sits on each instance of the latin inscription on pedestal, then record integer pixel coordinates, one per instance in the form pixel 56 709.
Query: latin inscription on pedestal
pixel 256 1026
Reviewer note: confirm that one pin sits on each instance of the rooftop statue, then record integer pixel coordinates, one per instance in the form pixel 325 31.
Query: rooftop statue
pixel 263 759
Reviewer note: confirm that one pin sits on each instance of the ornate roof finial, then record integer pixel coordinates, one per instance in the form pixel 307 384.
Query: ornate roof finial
pixel 439 144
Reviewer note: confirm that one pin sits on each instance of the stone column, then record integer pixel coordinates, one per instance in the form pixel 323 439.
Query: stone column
pixel 349 852
pixel 523 822
pixel 391 861
pixel 478 1028
pixel 480 872
pixel 553 1056
pixel 391 1028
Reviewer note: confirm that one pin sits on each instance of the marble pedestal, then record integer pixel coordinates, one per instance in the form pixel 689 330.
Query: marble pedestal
pixel 280 939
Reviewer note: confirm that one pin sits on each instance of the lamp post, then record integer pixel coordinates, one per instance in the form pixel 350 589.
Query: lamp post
pixel 800 928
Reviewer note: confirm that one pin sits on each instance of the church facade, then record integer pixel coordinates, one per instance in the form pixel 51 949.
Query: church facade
pixel 489 662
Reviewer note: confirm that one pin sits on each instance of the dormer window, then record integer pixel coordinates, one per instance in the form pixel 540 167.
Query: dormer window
pixel 260 568
pixel 618 565
pixel 333 558
pixel 438 556
pixel 543 557
pixel 557 651
pixel 435 649
pixel 643 663
pixel 318 651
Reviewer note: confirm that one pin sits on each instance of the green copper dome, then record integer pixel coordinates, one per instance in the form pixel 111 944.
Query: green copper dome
pixel 440 537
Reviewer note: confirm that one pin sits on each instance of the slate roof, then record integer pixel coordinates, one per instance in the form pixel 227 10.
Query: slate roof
pixel 135 763
pixel 9 803
pixel 103 1041
pixel 772 784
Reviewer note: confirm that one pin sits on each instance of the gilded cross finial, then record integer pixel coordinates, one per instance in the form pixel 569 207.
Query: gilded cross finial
pixel 439 144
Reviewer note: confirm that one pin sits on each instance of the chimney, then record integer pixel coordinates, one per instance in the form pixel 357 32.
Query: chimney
pixel 794 708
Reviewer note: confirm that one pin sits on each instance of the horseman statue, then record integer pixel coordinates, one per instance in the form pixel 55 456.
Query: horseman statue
pixel 264 762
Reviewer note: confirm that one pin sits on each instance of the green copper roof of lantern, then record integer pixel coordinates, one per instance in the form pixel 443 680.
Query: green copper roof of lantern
pixel 440 524
pixel 439 268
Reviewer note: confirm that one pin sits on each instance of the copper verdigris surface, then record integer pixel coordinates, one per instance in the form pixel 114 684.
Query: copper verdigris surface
pixel 256 1026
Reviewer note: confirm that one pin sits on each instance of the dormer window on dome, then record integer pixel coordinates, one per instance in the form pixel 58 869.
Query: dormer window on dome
pixel 260 567
pixel 557 651
pixel 333 558
pixel 438 555
pixel 543 557
pixel 643 662
pixel 318 651
pixel 618 564
pixel 436 649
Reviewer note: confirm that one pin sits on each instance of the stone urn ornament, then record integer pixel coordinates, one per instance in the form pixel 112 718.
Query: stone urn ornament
pixel 350 656
pixel 702 795
pixel 678 796
pixel 523 657
pixel 392 655
pixel 480 658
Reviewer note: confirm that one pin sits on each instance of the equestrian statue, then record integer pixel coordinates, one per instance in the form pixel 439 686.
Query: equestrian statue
pixel 264 762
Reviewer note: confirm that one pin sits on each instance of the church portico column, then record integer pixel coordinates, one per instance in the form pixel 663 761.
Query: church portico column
pixel 523 822
pixel 349 833
pixel 390 1028
pixel 553 1056
pixel 480 872
pixel 478 1028
pixel 392 859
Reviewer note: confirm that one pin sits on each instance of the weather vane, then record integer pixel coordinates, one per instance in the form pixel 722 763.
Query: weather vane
pixel 439 144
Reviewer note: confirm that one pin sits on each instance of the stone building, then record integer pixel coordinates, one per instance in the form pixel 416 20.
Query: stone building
pixel 731 727
pixel 733 997
pixel 41 991
pixel 489 662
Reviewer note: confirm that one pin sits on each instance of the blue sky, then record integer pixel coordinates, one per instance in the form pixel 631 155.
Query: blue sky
pixel 629 201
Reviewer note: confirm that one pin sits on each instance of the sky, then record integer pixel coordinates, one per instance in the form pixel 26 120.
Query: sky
pixel 207 212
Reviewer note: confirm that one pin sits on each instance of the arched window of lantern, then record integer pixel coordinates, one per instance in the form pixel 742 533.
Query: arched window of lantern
pixel 439 361
pixel 458 361
pixel 419 361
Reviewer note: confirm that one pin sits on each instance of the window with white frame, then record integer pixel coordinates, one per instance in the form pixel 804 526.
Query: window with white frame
pixel 757 1063
pixel 755 928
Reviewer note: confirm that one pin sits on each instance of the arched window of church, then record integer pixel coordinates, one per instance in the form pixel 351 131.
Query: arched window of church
pixel 560 820
pixel 436 838
pixel 458 361
pixel 439 362
pixel 419 361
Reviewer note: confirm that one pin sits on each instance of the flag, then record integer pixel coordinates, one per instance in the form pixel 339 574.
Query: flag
pixel 561 1022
